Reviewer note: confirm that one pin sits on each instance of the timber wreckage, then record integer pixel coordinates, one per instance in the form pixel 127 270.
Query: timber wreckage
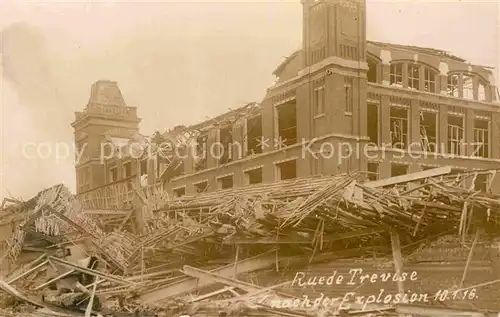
pixel 412 245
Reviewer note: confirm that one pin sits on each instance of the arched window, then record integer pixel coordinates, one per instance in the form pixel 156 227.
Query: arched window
pixel 467 87
pixel 396 74
pixel 413 75
pixel 372 70
pixel 453 88
pixel 429 80
pixel 481 91
pixel 462 85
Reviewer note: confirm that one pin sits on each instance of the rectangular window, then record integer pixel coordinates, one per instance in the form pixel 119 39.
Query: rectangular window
pixel 254 135
pixel 413 76
pixel 455 135
pixel 201 187
pixel 372 171
pixel 319 101
pixel 127 169
pixel 253 176
pixel 399 170
pixel 428 131
pixel 348 95
pixel 429 80
pixel 113 174
pixel 201 153
pixel 399 127
pixel 481 138
pixel 396 75
pixel 481 92
pixel 286 170
pixel 179 192
pixel 225 140
pixel 372 122
pixel 453 85
pixel 286 117
pixel 225 182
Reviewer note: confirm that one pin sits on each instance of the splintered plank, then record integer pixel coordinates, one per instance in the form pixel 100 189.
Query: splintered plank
pixel 409 178
pixel 186 285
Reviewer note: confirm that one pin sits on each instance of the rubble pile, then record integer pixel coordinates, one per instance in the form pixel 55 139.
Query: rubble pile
pixel 234 252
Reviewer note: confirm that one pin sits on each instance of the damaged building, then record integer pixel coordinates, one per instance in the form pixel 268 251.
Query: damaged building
pixel 402 109
pixel 312 203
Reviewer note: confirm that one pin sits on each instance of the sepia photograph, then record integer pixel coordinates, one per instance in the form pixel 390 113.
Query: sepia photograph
pixel 261 158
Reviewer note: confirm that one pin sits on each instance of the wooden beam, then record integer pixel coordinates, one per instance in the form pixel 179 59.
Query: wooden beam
pixel 186 285
pixel 209 277
pixel 398 259
pixel 410 177
pixel 111 212
pixel 301 240
pixel 29 271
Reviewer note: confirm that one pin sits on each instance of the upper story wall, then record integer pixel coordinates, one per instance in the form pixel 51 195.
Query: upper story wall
pixel 415 68
pixel 429 70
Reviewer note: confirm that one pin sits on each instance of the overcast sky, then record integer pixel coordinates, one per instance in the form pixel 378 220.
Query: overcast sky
pixel 179 61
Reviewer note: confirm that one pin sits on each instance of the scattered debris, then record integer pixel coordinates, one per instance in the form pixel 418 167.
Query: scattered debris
pixel 247 251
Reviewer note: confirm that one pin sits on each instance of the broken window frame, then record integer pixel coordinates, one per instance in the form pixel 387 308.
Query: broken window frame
pixel 481 139
pixel 200 159
pixel 455 136
pixel 413 76
pixel 396 74
pixel 429 144
pixel 467 86
pixel 402 141
pixel 452 85
pixel 429 80
pixel 253 145
pixel 200 187
pixel 178 192
pixel 481 91
pixel 226 144
pixel 280 140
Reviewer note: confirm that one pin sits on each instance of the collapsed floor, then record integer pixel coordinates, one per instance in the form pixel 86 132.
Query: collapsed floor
pixel 323 246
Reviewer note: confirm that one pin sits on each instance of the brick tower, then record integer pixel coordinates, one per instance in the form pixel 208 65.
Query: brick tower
pixel 106 115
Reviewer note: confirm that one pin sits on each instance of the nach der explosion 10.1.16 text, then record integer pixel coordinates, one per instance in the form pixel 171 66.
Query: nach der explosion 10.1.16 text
pixel 356 277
